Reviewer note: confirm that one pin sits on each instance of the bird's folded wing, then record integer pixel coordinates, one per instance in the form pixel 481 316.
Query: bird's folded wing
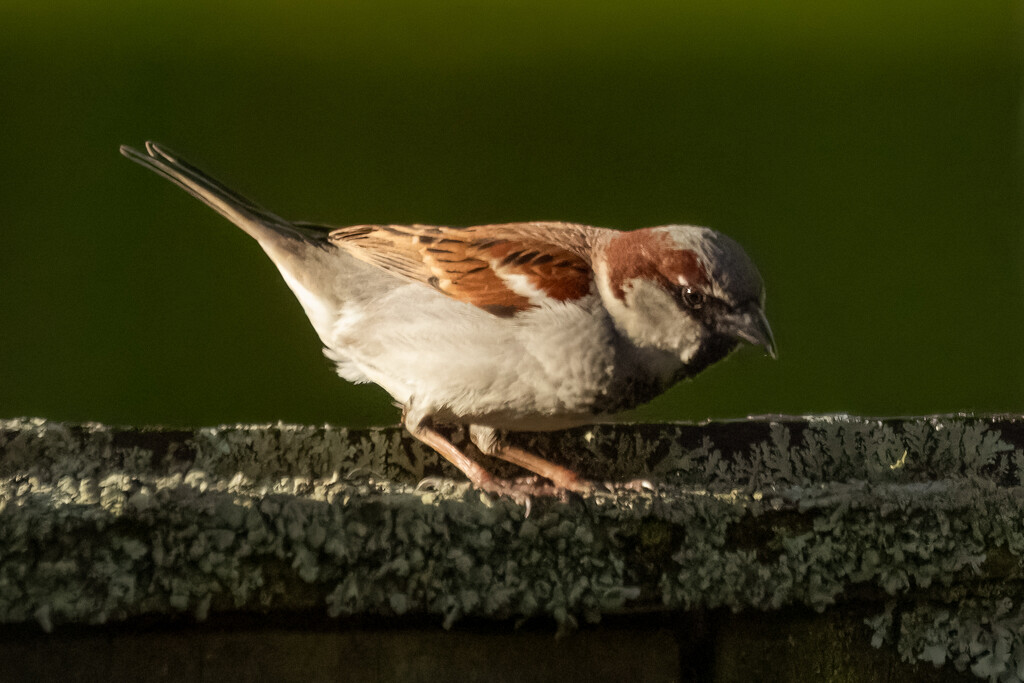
pixel 503 269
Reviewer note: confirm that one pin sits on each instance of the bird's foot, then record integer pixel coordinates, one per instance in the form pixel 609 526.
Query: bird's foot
pixel 433 483
pixel 521 490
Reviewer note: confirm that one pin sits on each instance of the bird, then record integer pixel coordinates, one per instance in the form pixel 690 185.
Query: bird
pixel 490 329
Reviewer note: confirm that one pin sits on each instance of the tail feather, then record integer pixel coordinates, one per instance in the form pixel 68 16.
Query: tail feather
pixel 269 229
pixel 323 278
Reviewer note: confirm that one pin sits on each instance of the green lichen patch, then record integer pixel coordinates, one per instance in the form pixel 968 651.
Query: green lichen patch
pixel 983 635
pixel 100 524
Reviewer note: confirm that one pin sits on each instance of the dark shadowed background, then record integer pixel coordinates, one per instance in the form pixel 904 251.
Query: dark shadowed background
pixel 866 154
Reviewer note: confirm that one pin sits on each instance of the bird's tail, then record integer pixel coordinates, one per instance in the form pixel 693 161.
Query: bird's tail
pixel 275 234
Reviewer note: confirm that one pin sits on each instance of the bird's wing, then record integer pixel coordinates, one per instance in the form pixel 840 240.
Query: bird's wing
pixel 503 269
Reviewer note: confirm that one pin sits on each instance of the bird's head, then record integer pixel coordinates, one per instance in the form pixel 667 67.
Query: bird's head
pixel 685 290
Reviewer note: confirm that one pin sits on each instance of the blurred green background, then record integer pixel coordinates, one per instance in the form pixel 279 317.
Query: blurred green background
pixel 867 155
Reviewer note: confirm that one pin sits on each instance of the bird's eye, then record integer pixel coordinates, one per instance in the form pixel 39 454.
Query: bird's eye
pixel 694 299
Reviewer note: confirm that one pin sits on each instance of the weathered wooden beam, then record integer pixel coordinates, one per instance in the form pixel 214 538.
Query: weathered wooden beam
pixel 914 526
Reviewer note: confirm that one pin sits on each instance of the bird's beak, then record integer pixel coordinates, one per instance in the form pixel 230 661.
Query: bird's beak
pixel 750 325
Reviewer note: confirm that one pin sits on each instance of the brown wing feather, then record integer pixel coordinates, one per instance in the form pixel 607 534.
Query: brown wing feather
pixel 503 269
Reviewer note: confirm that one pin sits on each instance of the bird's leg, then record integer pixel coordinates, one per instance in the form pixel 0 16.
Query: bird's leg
pixel 486 439
pixel 419 426
pixel 478 476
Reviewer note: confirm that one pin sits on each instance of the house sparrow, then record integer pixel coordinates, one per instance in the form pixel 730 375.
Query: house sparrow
pixel 519 326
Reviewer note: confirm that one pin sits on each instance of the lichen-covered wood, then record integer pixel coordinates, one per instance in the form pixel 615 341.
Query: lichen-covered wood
pixel 919 519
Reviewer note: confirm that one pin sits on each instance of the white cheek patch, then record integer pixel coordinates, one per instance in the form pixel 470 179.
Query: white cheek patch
pixel 652 318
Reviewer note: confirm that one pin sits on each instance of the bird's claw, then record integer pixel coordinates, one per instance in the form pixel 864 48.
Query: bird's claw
pixel 431 483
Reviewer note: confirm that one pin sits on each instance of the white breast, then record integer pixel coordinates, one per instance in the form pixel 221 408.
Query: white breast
pixel 540 369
